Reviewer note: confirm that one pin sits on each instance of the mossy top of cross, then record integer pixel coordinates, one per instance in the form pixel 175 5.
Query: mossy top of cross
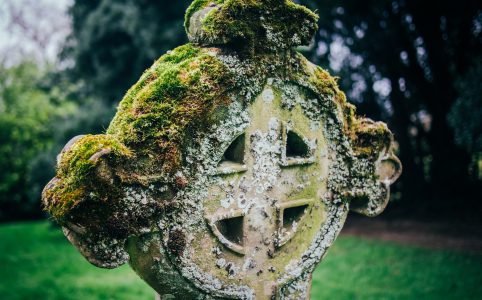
pixel 253 25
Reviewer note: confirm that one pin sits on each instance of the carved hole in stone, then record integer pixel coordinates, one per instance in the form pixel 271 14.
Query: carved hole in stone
pixel 359 203
pixel 293 214
pixel 295 146
pixel 232 229
pixel 233 158
pixel 235 151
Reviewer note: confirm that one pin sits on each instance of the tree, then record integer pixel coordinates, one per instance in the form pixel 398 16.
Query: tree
pixel 27 115
pixel 401 60
pixel 466 115
pixel 113 42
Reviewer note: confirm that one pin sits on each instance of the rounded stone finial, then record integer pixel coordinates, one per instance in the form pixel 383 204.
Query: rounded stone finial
pixel 269 25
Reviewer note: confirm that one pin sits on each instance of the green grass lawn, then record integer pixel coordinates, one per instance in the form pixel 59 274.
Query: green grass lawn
pixel 37 262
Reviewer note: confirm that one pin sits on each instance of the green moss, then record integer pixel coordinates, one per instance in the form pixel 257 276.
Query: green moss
pixel 349 111
pixel 77 160
pixel 327 86
pixel 185 86
pixel 325 83
pixel 76 174
pixel 195 6
pixel 253 25
pixel 370 138
pixel 152 74
pixel 179 54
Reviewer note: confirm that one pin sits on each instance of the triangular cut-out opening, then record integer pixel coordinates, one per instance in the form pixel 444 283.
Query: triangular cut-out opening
pixel 293 214
pixel 232 229
pixel 295 146
pixel 235 151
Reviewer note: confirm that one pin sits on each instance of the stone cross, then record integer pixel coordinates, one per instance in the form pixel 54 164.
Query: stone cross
pixel 230 167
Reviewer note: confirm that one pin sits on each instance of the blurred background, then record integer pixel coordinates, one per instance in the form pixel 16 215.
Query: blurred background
pixel 417 65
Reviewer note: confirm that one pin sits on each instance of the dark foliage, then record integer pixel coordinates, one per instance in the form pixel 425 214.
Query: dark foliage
pixel 424 51
pixel 114 41
pixel 415 64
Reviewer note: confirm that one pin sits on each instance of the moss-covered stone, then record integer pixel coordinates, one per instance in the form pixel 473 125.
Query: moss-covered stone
pixel 253 25
pixel 178 92
pixel 156 171
pixel 77 173
pixel 370 139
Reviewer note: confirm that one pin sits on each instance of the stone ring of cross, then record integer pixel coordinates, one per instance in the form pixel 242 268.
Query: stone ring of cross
pixel 230 166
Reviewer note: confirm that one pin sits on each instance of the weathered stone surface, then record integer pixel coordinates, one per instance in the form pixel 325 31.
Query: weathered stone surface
pixel 230 167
